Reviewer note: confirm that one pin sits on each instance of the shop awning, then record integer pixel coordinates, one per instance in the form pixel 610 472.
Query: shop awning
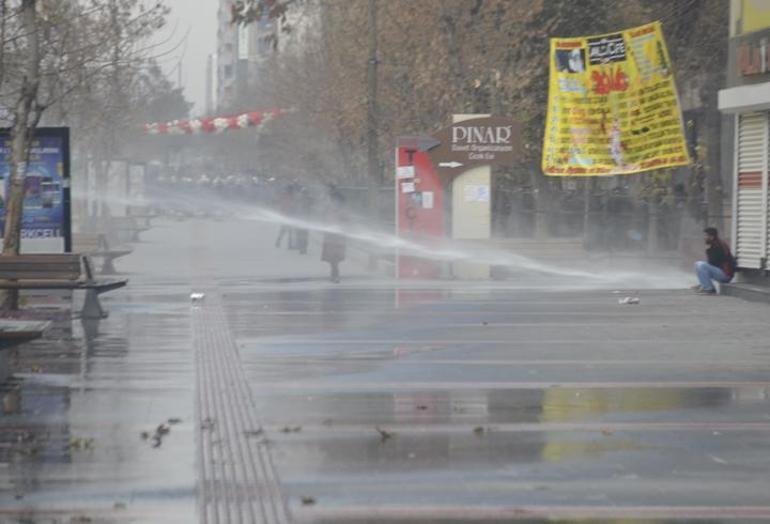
pixel 745 99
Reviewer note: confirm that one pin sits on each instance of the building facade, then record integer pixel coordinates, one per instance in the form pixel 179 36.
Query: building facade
pixel 212 84
pixel 240 52
pixel 746 101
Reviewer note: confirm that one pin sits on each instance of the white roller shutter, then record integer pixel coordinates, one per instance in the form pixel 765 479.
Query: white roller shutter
pixel 766 197
pixel 751 217
pixel 766 204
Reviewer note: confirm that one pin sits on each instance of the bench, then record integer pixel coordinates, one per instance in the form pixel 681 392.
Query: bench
pixel 131 226
pixel 54 271
pixel 15 332
pixel 97 246
pixel 143 220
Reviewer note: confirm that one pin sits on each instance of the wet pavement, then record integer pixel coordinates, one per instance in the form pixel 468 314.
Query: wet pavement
pixel 375 401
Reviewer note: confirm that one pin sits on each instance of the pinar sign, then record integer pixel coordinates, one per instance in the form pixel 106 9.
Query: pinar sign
pixel 476 142
pixel 612 106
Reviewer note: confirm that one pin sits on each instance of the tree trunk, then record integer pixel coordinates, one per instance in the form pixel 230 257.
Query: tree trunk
pixel 589 185
pixel 652 227
pixel 26 117
pixel 102 186
pixel 372 124
pixel 3 28
pixel 542 203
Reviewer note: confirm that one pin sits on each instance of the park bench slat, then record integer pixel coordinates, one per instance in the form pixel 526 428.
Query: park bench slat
pixel 56 271
pixel 32 283
pixel 40 259
pixel 40 267
pixel 9 275
pixel 16 332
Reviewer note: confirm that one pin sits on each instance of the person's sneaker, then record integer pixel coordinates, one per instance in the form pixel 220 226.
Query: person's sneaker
pixel 706 292
pixel 696 287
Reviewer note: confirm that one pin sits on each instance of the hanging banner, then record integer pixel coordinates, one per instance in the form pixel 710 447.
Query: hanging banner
pixel 612 106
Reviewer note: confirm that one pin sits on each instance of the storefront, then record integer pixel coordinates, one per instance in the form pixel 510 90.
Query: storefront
pixel 746 100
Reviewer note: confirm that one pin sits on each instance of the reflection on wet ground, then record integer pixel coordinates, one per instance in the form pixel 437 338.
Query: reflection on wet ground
pixel 384 402
pixel 469 406
pixel 73 415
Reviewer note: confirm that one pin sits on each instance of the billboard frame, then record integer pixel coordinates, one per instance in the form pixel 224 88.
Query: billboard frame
pixel 62 133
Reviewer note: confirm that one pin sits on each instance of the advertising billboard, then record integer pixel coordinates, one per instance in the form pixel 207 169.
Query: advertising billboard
pixel 46 226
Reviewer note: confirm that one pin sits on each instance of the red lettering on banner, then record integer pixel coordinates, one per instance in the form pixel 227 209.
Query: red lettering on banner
pixel 607 82
pixel 643 31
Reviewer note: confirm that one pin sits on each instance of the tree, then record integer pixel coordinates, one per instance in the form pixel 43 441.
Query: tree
pixel 54 55
pixel 438 57
pixel 26 114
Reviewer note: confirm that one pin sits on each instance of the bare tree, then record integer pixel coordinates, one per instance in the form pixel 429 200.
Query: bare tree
pixel 53 52
pixel 438 57
pixel 26 115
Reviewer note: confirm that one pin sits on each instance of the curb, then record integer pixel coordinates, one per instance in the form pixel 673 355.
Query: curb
pixel 751 293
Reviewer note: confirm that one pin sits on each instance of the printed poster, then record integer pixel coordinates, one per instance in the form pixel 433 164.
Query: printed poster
pixel 403 172
pixel 612 106
pixel 427 199
pixel 43 216
pixel 476 193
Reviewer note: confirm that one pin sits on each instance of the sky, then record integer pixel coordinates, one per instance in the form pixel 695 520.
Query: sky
pixel 198 20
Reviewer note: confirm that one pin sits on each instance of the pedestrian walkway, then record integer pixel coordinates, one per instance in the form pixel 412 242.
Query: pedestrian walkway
pixel 281 397
pixel 237 480
pixel 467 405
pixel 99 419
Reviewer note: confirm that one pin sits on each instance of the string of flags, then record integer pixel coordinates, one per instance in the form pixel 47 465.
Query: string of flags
pixel 214 124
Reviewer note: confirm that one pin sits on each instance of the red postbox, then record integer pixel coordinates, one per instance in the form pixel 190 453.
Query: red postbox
pixel 419 210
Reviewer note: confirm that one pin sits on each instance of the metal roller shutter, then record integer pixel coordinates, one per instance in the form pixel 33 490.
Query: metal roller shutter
pixel 765 188
pixel 752 160
pixel 766 204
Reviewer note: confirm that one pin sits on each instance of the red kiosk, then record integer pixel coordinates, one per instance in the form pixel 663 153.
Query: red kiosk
pixel 419 205
pixel 427 166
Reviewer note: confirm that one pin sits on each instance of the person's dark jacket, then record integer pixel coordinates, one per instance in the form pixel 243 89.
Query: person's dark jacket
pixel 718 254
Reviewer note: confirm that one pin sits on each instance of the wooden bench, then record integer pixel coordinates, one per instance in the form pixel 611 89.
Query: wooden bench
pixel 143 220
pixel 15 332
pixel 65 271
pixel 130 226
pixel 97 246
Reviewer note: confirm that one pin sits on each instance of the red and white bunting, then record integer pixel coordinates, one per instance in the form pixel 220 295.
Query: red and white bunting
pixel 214 124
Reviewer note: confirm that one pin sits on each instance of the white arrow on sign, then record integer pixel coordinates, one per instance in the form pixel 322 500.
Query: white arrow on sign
pixel 450 164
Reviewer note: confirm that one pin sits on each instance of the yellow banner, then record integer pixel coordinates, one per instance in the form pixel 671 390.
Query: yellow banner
pixel 612 106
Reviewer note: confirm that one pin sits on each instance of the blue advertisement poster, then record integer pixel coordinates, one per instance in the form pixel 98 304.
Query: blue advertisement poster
pixel 46 198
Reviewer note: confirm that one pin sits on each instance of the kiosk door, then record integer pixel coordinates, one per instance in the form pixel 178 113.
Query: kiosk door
pixel 419 213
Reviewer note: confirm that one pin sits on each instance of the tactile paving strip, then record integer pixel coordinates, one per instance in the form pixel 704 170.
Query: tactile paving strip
pixel 237 481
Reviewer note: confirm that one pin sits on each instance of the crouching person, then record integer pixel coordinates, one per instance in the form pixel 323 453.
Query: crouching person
pixel 719 265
